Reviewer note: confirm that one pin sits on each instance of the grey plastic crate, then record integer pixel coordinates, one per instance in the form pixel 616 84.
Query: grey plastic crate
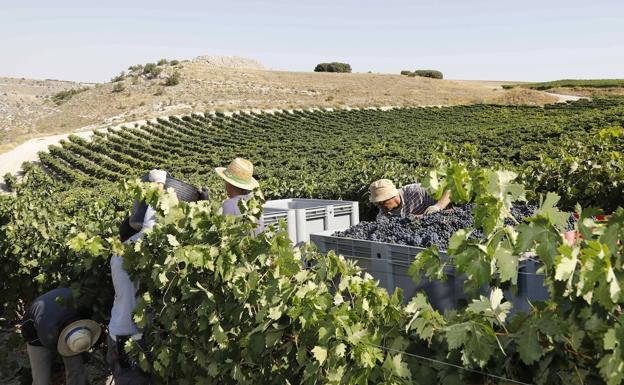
pixel 308 216
pixel 530 285
pixel 389 264
pixel 532 282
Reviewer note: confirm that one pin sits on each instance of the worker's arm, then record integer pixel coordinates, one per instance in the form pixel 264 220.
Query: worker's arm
pixel 445 200
pixel 441 204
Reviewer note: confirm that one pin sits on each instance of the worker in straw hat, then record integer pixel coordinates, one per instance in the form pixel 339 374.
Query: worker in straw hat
pixel 53 323
pixel 409 201
pixel 239 183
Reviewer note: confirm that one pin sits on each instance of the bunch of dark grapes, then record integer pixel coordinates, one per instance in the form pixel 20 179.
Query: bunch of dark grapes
pixel 434 229
pixel 437 228
pixel 520 212
pixel 387 229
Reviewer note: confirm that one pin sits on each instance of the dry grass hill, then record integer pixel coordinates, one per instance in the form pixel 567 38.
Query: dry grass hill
pixel 28 107
pixel 24 102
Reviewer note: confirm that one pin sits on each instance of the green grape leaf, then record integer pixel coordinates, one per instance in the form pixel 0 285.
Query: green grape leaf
pixel 566 263
pixel 320 354
pixel 396 365
pixel 507 263
pixel 529 347
pixel 172 240
pixel 500 186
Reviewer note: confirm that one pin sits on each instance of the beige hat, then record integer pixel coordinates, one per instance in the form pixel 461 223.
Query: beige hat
pixel 381 190
pixel 78 337
pixel 239 173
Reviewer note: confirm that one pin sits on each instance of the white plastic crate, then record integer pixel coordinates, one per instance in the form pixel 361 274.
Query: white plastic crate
pixel 308 216
pixel 273 216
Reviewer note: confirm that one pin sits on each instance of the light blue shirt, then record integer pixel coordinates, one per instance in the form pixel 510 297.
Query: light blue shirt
pixel 230 207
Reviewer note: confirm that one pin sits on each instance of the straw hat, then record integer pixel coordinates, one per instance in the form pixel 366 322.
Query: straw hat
pixel 239 173
pixel 382 190
pixel 78 337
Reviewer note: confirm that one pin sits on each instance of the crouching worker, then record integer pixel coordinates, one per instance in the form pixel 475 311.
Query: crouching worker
pixel 239 183
pixel 54 324
pixel 409 201
pixel 121 326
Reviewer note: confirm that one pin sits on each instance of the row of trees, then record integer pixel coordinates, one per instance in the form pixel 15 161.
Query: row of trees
pixel 346 68
pixel 434 74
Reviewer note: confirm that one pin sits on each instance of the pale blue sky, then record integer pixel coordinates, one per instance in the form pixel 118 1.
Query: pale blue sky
pixel 500 40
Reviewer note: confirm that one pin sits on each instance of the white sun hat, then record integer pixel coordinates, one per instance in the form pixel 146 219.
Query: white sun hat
pixel 382 190
pixel 239 173
pixel 78 337
pixel 158 176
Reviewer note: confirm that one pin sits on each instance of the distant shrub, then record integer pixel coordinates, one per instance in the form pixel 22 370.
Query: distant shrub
pixel 10 181
pixel 119 77
pixel 429 74
pixel 149 67
pixel 119 87
pixel 508 86
pixel 151 70
pixel 332 67
pixel 174 62
pixel 162 62
pixel 424 73
pixel 27 166
pixel 136 68
pixel 173 79
pixel 63 96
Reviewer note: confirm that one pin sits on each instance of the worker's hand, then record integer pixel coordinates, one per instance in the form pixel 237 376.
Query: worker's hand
pixel 432 209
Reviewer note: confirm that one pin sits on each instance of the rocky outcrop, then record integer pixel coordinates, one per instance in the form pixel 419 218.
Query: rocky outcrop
pixel 230 62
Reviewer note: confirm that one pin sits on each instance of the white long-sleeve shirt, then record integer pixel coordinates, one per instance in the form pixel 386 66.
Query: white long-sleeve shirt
pixel 121 323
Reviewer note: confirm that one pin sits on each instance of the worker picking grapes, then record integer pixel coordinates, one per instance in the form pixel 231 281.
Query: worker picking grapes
pixel 409 201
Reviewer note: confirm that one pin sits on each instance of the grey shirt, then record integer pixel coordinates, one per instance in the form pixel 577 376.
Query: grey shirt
pixel 414 201
pixel 45 318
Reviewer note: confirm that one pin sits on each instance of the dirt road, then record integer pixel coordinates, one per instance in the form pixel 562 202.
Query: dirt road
pixel 11 161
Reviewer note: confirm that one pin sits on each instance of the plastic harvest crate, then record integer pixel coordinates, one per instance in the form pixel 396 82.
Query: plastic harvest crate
pixel 273 216
pixel 389 263
pixel 308 216
pixel 530 285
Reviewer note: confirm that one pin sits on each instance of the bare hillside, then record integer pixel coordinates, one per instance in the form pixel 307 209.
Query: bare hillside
pixel 24 102
pixel 213 83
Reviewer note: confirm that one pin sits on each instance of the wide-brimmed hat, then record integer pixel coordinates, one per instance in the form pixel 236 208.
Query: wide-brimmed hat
pixel 239 173
pixel 78 337
pixel 382 190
